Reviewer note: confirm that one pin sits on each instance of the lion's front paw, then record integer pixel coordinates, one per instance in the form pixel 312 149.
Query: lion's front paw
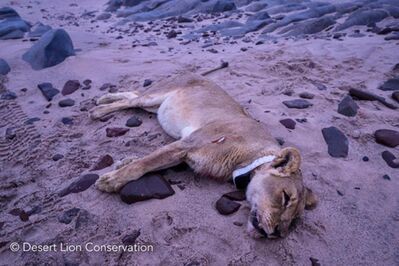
pixel 109 182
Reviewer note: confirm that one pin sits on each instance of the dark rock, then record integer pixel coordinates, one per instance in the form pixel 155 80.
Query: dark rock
pixel 297 103
pixel 181 19
pixel 107 86
pixel 365 159
pixel 70 87
pixel 82 219
pixel 306 95
pixel 387 137
pixel 301 120
pixel 4 67
pixel 238 223
pixel 390 159
pixel 280 141
pixel 52 48
pixel 87 82
pixel 133 122
pixel 386 177
pixel 237 195
pixel 103 162
pixel 67 121
pixel 21 213
pixel 10 133
pixel 363 17
pixel 149 186
pixel 8 95
pixel 8 12
pixel 314 261
pixel 32 120
pixel 340 193
pixel 395 96
pixel 147 82
pixel 48 90
pixel 57 157
pixel 288 123
pixel 66 103
pixel 11 25
pixel 171 34
pixel 104 16
pixel 116 131
pixel 38 30
pixel 79 185
pixel 310 26
pixel 367 96
pixel 67 216
pixel 348 107
pixel 390 85
pixel 131 238
pixel 319 86
pixel 226 206
pixel 337 142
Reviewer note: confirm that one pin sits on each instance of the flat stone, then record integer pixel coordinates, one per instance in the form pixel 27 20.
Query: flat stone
pixel 390 85
pixel 67 121
pixel 390 159
pixel 38 30
pixel 11 133
pixel 70 87
pixel 288 123
pixel 149 186
pixel 32 120
pixel 57 157
pixel 147 82
pixel 306 95
pixel 368 96
pixel 103 162
pixel 4 67
pixel 79 185
pixel 104 16
pixel 237 195
pixel 116 131
pixel 8 95
pixel 133 122
pixel 347 106
pixel 66 103
pixel 337 142
pixel 67 216
pixel 395 96
pixel 226 206
pixel 387 137
pixel 48 90
pixel 51 49
pixel 182 19
pixel 297 104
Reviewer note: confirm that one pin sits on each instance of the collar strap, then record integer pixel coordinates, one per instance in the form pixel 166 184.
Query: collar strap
pixel 247 169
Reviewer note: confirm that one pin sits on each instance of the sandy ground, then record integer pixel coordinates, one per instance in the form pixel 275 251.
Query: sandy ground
pixel 356 222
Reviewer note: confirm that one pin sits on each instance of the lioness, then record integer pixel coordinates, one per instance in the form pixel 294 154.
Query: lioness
pixel 216 138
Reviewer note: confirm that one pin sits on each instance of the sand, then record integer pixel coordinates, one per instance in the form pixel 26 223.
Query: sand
pixel 355 223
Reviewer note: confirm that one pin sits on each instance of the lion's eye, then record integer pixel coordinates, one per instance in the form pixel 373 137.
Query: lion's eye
pixel 285 199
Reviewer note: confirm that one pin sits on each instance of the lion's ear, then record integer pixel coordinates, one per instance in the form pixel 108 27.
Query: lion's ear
pixel 311 199
pixel 288 161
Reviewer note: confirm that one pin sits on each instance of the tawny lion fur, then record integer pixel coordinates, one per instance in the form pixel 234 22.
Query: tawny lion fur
pixel 214 136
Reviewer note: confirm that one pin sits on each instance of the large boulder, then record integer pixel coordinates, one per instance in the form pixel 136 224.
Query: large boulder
pixel 4 67
pixel 52 48
pixel 13 28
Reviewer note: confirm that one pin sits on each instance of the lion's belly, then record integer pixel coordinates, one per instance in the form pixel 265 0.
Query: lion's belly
pixel 174 119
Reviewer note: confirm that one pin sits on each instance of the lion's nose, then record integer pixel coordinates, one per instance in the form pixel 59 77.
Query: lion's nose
pixel 255 223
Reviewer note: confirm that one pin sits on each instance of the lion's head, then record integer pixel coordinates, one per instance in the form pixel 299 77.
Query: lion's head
pixel 277 196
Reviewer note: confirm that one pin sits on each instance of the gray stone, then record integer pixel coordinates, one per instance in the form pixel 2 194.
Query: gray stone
pixel 66 103
pixel 4 67
pixel 363 17
pixel 387 137
pixel 297 104
pixel 104 16
pixel 133 122
pixel 390 85
pixel 13 28
pixel 337 142
pixel 8 95
pixel 48 90
pixel 38 30
pixel 51 49
pixel 347 106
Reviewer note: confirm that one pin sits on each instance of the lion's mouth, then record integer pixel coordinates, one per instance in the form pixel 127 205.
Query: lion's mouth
pixel 255 224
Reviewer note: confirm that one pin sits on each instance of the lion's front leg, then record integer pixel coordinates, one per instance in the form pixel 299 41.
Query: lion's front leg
pixel 165 157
